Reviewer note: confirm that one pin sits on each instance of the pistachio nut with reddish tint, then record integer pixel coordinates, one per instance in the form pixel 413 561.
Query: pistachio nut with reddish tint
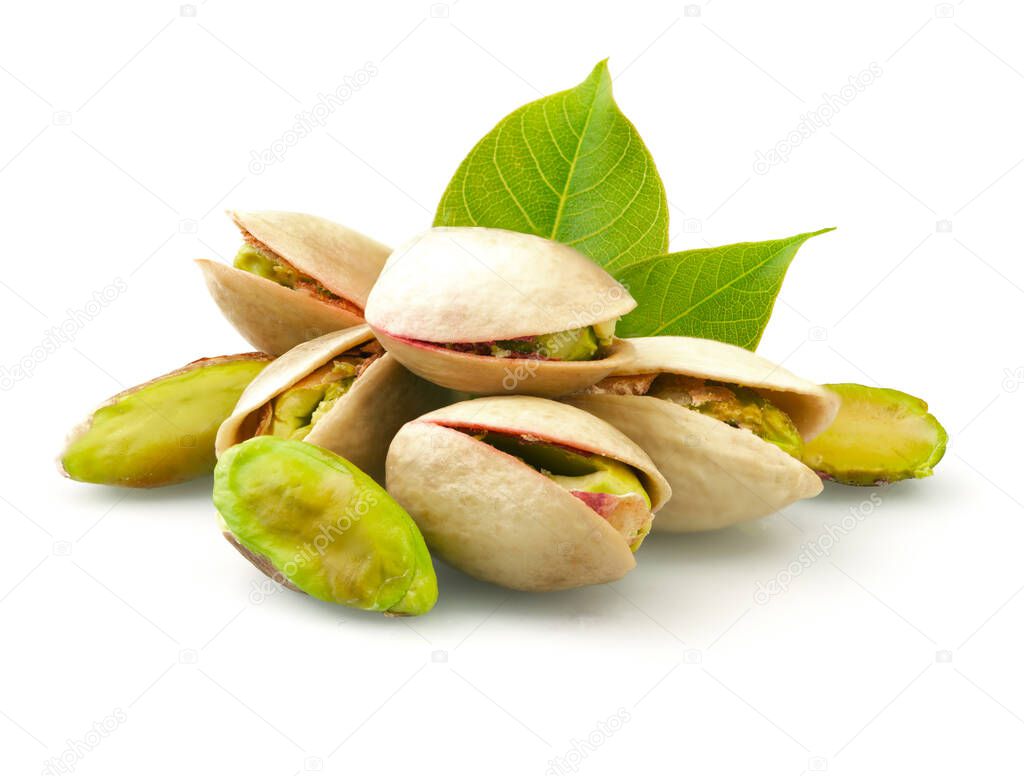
pixel 161 432
pixel 340 391
pixel 725 427
pixel 880 435
pixel 526 492
pixel 295 278
pixel 314 522
pixel 488 311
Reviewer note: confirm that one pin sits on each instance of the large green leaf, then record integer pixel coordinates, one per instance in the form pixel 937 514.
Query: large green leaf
pixel 569 167
pixel 725 293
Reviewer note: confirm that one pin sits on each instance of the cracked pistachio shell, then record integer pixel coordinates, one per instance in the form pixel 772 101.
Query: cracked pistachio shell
pixel 721 475
pixel 494 517
pixel 474 284
pixel 361 424
pixel 881 435
pixel 161 432
pixel 810 406
pixel 275 318
pixel 313 521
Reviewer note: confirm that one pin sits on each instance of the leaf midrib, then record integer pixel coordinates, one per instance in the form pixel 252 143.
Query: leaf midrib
pixel 572 165
pixel 722 288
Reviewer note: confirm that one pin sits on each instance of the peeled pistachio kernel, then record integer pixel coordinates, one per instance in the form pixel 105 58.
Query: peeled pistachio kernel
pixel 315 522
pixel 880 435
pixel 161 432
pixel 490 311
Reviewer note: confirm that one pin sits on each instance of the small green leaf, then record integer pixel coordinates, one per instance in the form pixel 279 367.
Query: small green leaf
pixel 725 293
pixel 568 167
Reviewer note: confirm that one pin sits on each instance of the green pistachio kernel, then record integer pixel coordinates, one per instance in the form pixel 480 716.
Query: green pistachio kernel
pixel 161 432
pixel 571 345
pixel 880 435
pixel 319 523
pixel 252 259
pixel 298 409
pixel 575 470
pixel 739 407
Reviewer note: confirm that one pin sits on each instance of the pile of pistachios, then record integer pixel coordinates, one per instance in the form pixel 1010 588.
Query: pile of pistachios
pixel 465 396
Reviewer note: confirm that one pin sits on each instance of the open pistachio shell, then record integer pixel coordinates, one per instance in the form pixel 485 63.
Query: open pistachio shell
pixel 498 519
pixel 471 286
pixel 313 521
pixel 811 407
pixel 161 432
pixel 720 475
pixel 881 435
pixel 274 317
pixel 360 425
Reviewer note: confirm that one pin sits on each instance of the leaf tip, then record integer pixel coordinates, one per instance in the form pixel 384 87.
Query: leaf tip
pixel 600 72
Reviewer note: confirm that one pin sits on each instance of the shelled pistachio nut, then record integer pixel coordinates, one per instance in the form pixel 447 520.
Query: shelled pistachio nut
pixel 488 311
pixel 880 435
pixel 296 277
pixel 526 492
pixel 315 523
pixel 722 424
pixel 161 432
pixel 339 391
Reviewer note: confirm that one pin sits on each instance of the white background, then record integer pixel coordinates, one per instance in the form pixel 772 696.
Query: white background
pixel 128 128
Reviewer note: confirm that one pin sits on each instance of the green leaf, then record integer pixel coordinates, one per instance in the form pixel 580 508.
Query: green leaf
pixel 725 293
pixel 569 167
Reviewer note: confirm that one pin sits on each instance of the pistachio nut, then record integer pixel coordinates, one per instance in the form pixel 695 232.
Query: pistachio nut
pixel 317 524
pixel 722 424
pixel 526 492
pixel 488 311
pixel 296 277
pixel 880 435
pixel 161 432
pixel 340 391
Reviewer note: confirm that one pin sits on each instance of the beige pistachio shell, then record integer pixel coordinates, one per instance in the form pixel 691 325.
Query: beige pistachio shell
pixel 489 375
pixel 341 259
pixel 719 475
pixel 361 424
pixel 496 518
pixel 810 406
pixel 473 284
pixel 275 318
